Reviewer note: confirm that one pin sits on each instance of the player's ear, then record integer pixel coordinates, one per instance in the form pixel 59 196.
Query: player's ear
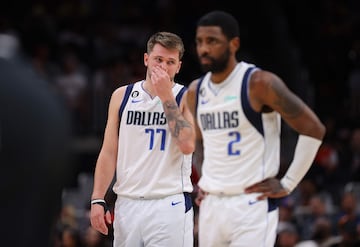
pixel 235 44
pixel 179 67
pixel 146 58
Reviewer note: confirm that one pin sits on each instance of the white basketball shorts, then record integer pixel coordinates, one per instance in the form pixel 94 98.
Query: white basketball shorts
pixel 154 222
pixel 240 221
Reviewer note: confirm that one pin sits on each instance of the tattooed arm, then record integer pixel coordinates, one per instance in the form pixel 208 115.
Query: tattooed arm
pixel 269 93
pixel 180 120
pixel 198 156
pixel 181 124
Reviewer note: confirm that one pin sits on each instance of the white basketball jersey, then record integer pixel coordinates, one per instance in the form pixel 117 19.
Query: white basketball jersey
pixel 149 163
pixel 241 146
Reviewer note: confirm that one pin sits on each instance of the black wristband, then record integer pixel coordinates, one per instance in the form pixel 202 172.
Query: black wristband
pixel 100 202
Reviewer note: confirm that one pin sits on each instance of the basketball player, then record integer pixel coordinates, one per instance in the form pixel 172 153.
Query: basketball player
pixel 149 140
pixel 238 109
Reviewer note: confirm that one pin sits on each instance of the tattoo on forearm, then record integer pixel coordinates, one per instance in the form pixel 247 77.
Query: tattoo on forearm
pixel 175 120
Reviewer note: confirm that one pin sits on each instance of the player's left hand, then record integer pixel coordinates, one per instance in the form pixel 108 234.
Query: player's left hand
pixel 100 219
pixel 269 188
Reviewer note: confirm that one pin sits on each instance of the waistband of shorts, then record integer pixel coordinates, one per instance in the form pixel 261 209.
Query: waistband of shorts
pixel 153 197
pixel 273 203
pixel 222 194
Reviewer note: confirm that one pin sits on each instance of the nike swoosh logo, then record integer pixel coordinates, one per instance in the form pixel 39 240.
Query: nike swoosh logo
pixel 135 101
pixel 203 102
pixel 175 203
pixel 252 202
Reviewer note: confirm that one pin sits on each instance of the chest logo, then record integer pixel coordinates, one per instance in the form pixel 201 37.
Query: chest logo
pixel 230 98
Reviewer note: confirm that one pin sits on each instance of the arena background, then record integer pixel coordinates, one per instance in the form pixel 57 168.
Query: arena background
pixel 84 49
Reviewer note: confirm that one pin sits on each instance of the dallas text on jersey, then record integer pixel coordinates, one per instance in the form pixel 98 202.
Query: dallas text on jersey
pixel 219 120
pixel 145 118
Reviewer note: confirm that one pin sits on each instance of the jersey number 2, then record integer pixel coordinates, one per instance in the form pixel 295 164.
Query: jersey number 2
pixel 236 139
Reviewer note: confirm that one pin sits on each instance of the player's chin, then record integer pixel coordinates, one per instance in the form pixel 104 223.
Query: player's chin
pixel 205 68
pixel 205 61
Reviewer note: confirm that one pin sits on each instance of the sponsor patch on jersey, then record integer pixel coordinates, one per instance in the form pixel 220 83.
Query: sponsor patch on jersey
pixel 230 98
pixel 135 94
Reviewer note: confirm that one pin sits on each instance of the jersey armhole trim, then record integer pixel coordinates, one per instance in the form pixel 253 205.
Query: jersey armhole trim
pixel 125 99
pixel 254 117
pixel 197 93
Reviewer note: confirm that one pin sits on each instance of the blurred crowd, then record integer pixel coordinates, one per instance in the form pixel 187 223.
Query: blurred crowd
pixel 86 49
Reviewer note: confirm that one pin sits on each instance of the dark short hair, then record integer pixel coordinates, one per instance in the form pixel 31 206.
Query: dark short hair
pixel 227 22
pixel 167 40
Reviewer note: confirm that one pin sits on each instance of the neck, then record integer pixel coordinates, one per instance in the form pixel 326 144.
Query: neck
pixel 221 76
pixel 148 88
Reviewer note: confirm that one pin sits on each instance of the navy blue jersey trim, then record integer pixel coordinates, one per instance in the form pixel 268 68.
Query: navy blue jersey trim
pixel 180 95
pixel 273 203
pixel 188 201
pixel 197 93
pixel 252 116
pixel 125 99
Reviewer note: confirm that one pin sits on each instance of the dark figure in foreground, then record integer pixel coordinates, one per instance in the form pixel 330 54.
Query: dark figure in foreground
pixel 34 155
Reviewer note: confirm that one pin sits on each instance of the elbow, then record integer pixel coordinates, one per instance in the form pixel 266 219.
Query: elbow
pixel 322 131
pixel 317 132
pixel 187 148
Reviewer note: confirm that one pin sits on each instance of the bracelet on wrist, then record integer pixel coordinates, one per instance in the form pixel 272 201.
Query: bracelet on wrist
pixel 101 202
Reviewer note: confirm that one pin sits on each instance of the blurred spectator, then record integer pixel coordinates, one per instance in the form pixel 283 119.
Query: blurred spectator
pixel 347 220
pixel 69 237
pixel 324 233
pixel 348 208
pixel 93 238
pixel 326 165
pixel 112 74
pixel 302 195
pixel 355 154
pixel 354 80
pixel 287 212
pixel 322 236
pixel 318 209
pixel 349 233
pixel 287 235
pixel 72 81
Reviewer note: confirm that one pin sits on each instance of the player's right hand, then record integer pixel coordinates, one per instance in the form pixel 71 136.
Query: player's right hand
pixel 99 219
pixel 162 83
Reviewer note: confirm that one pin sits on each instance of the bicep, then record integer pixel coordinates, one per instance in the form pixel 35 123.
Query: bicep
pixel 111 134
pixel 191 98
pixel 293 110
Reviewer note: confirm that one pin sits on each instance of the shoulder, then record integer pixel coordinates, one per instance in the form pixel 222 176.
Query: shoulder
pixel 192 89
pixel 194 84
pixel 260 76
pixel 180 92
pixel 180 87
pixel 263 81
pixel 264 89
pixel 118 94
